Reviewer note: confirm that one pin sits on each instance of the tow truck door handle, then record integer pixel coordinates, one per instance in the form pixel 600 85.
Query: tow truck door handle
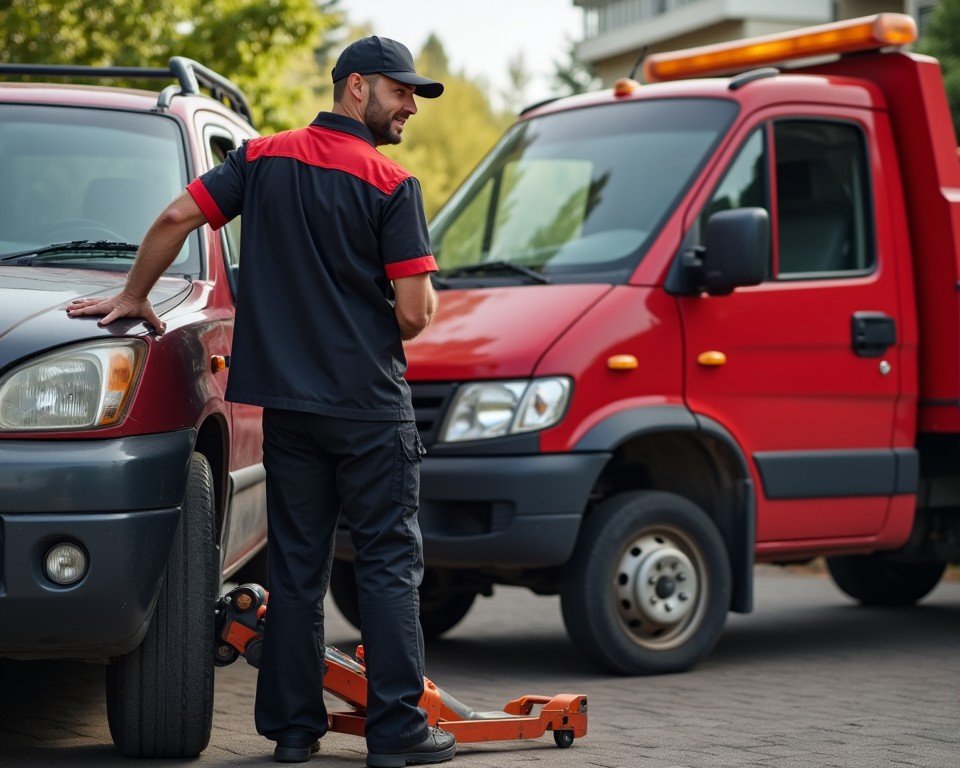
pixel 873 333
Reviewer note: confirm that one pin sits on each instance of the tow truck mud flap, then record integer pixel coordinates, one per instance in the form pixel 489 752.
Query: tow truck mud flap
pixel 241 617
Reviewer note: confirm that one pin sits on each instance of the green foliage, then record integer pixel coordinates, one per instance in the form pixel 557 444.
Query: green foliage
pixel 267 47
pixel 450 135
pixel 942 41
pixel 572 76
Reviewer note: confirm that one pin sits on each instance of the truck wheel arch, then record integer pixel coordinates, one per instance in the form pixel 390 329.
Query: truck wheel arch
pixel 672 449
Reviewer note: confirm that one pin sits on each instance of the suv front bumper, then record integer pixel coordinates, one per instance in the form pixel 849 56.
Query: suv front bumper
pixel 501 511
pixel 120 501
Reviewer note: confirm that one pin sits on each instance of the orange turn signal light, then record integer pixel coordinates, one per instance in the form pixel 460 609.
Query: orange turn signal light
pixel 712 358
pixel 622 363
pixel 624 87
pixel 863 34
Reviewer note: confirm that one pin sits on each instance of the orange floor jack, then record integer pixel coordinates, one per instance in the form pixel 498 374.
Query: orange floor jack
pixel 241 615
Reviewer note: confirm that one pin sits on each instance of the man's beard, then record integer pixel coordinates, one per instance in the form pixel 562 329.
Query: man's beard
pixel 380 122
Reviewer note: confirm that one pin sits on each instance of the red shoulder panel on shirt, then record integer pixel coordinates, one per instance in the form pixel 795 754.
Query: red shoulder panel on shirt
pixel 334 150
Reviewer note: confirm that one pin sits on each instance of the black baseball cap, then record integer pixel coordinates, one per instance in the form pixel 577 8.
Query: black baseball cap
pixel 381 55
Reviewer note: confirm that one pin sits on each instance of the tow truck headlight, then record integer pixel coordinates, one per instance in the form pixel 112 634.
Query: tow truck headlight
pixel 498 408
pixel 80 387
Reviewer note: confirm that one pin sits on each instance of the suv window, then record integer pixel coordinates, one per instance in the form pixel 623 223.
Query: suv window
pixel 88 174
pixel 822 198
pixel 220 147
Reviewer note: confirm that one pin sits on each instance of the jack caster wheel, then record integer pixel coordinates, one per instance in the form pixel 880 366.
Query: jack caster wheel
pixel 563 739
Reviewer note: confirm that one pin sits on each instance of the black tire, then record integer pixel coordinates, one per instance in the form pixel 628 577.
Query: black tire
pixel 160 695
pixel 648 587
pixel 876 580
pixel 441 607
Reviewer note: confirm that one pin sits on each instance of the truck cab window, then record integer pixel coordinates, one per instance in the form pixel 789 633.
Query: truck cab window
pixel 822 199
pixel 745 183
pixel 220 146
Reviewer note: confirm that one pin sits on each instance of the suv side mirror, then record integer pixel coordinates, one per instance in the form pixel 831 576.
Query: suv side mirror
pixel 737 250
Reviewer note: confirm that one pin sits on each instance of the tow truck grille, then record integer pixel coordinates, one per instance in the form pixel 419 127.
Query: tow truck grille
pixel 430 402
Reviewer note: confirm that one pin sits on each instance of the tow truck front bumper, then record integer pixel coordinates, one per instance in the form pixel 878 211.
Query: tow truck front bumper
pixel 501 511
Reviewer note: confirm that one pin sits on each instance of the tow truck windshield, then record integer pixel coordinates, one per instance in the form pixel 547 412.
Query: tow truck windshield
pixel 578 194
pixel 93 179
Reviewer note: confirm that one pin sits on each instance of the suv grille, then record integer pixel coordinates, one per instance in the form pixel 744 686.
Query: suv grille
pixel 430 401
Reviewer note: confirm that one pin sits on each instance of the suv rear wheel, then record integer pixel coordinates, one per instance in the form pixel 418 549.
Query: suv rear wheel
pixel 160 695
pixel 648 587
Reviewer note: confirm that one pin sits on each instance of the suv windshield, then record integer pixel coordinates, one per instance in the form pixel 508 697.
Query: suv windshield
pixel 70 174
pixel 582 192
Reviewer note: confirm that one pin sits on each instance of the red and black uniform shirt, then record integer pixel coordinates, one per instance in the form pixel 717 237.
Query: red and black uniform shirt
pixel 328 222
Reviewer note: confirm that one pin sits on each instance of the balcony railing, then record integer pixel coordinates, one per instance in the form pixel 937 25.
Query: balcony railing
pixel 601 17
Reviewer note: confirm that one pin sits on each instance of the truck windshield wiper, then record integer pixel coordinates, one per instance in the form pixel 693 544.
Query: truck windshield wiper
pixel 76 249
pixel 496 266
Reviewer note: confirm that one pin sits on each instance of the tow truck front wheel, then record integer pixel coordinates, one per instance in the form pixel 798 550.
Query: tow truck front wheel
pixel 160 695
pixel 648 588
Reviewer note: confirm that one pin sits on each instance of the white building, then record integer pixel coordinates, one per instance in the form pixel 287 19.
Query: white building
pixel 615 31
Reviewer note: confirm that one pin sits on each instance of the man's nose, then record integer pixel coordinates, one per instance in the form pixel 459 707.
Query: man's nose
pixel 411 105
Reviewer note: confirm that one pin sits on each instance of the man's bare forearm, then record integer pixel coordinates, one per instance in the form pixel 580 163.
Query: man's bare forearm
pixel 161 245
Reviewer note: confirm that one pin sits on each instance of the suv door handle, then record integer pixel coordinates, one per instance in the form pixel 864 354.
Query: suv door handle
pixel 873 333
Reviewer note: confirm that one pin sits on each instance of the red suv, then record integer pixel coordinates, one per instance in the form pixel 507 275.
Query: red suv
pixel 128 487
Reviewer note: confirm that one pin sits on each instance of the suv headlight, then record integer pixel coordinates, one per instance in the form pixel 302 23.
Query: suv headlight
pixel 498 408
pixel 80 387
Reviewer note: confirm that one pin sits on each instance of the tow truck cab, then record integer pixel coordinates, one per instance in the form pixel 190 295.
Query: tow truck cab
pixel 689 325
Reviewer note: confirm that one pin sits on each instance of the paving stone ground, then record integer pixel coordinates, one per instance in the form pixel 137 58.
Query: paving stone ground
pixel 808 679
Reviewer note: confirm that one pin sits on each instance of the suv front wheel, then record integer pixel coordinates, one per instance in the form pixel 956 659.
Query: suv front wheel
pixel 160 695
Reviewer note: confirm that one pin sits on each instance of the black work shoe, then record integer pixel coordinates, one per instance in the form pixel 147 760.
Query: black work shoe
pixel 291 753
pixel 438 747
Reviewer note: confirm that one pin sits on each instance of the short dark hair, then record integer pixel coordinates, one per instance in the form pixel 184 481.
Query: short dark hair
pixel 340 86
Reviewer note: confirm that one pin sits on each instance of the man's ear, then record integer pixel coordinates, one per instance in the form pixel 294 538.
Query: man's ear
pixel 356 85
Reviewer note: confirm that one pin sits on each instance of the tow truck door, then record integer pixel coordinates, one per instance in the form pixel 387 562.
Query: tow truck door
pixel 812 373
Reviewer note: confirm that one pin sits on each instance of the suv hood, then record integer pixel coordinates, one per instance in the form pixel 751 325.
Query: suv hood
pixel 33 304
pixel 490 333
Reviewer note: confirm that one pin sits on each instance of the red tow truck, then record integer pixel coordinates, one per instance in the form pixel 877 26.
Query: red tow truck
pixel 692 325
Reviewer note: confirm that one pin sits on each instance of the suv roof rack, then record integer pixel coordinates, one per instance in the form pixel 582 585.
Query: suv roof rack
pixel 190 74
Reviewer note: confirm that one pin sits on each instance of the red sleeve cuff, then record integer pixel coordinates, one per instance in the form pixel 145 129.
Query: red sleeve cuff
pixel 207 204
pixel 410 267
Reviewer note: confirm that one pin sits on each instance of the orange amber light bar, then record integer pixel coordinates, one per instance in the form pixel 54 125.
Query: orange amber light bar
pixel 864 34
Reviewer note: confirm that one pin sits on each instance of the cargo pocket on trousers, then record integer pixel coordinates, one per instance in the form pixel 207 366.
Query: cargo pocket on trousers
pixel 406 465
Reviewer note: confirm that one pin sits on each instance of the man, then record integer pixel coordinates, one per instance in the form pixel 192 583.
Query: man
pixel 328 223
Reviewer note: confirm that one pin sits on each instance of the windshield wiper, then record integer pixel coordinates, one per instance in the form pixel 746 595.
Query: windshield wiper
pixel 76 248
pixel 496 266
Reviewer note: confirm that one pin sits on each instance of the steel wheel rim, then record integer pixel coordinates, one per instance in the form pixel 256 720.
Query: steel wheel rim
pixel 658 565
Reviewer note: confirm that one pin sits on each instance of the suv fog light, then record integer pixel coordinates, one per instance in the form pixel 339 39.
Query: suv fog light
pixel 65 563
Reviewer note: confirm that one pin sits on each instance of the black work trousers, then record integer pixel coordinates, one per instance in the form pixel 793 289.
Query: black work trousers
pixel 317 466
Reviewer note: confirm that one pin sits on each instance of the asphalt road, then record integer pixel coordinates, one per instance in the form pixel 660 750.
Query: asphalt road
pixel 808 679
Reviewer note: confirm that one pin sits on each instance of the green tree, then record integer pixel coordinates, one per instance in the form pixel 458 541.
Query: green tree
pixel 571 75
pixel 942 41
pixel 450 135
pixel 259 44
pixel 518 80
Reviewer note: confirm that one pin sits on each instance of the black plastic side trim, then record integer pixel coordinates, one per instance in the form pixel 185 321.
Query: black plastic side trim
pixel 824 474
pixel 908 470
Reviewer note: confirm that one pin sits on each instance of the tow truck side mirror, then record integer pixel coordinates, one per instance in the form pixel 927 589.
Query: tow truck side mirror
pixel 737 250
